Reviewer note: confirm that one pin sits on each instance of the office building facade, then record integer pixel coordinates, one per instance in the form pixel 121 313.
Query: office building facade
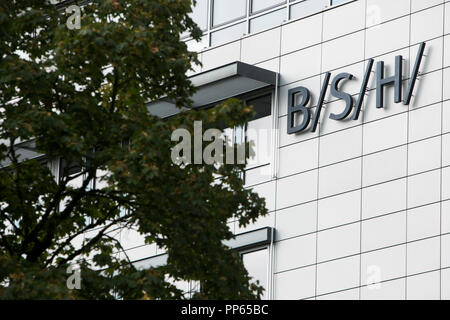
pixel 352 140
pixel 359 208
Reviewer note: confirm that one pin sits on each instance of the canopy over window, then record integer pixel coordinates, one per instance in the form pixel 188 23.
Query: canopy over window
pixel 24 151
pixel 218 84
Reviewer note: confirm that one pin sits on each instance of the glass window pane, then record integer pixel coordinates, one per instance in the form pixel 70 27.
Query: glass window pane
pixel 69 168
pixel 256 263
pixel 261 105
pixel 334 2
pixel 268 20
pixel 258 5
pixel 239 135
pixel 228 10
pixel 228 34
pixel 307 8
pixel 200 14
pixel 259 131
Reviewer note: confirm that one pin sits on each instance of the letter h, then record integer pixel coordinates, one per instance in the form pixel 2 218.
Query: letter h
pixel 396 80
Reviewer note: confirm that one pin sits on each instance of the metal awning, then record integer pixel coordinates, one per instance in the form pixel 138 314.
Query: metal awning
pixel 24 151
pixel 218 84
pixel 240 242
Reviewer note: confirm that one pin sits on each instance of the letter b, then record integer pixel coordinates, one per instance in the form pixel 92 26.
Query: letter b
pixel 293 109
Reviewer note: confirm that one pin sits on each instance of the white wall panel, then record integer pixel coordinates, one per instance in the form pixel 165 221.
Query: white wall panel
pixel 333 25
pixel 290 39
pixel 424 222
pixel 424 286
pixel 383 231
pixel 377 41
pixel 295 253
pixel 424 188
pixel 338 275
pixel 338 210
pixel 424 122
pixel 338 242
pixel 295 284
pixel 431 18
pixel 383 265
pixel 423 255
pixel 390 290
pixel 296 221
pixel 255 48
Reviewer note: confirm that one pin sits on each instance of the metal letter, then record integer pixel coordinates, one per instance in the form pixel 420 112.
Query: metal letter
pixel 412 82
pixel 323 92
pixel 292 109
pixel 396 80
pixel 363 90
pixel 342 95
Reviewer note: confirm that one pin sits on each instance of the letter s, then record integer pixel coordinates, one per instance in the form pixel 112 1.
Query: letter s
pixel 342 95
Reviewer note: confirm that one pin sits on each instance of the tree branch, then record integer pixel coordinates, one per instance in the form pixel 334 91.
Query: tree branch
pixel 73 236
pixel 57 219
pixel 91 242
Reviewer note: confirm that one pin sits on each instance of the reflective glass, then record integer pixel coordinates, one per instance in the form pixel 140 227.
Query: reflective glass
pixel 200 14
pixel 334 2
pixel 258 5
pixel 307 8
pixel 228 10
pixel 256 263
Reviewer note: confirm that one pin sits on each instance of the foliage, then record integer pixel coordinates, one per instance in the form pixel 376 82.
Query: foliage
pixel 81 95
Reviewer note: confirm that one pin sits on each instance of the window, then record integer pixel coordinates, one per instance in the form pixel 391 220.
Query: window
pixel 261 105
pixel 69 168
pixel 259 5
pixel 228 20
pixel 259 130
pixel 335 2
pixel 228 10
pixel 253 247
pixel 256 263
pixel 306 8
pixel 200 14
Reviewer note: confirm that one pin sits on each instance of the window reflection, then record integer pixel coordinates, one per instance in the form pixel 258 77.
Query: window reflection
pixel 200 14
pixel 228 10
pixel 306 8
pixel 228 20
pixel 256 263
pixel 258 5
pixel 258 131
pixel 334 2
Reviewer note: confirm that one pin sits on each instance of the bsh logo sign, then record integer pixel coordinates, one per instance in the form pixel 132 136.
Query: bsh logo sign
pixel 304 111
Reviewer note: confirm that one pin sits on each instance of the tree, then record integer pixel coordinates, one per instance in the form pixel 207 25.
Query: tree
pixel 80 95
